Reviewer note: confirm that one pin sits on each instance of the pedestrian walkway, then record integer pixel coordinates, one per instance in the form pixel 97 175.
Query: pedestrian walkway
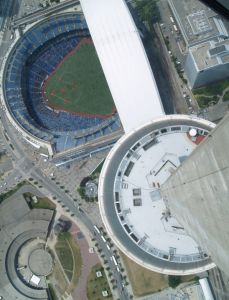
pixel 88 261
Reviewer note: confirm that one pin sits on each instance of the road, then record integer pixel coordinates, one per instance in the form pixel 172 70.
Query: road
pixel 181 106
pixel 178 49
pixel 164 73
pixel 33 17
pixel 5 36
pixel 88 150
pixel 25 168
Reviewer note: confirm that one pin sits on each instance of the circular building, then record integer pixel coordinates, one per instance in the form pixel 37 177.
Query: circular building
pixel 131 205
pixel 40 99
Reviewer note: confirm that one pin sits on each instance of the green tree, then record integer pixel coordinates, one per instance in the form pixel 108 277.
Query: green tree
pixel 174 281
pixel 147 10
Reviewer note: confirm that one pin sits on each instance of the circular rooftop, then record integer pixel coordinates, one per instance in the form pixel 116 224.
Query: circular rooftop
pixel 131 205
pixel 40 262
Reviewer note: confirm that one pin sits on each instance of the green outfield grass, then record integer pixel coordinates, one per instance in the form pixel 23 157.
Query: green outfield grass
pixel 78 85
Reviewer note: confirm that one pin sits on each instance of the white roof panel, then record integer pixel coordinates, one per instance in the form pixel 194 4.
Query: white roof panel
pixel 206 289
pixel 124 61
pixel 35 279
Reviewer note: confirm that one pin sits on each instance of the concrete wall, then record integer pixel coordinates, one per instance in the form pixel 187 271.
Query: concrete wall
pixel 198 194
pixel 208 76
pixel 198 78
pixel 190 69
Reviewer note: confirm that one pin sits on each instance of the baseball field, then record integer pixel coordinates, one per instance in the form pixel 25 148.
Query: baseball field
pixel 78 84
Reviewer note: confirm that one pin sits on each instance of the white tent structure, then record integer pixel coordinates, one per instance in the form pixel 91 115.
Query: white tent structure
pixel 206 289
pixel 35 280
pixel 124 61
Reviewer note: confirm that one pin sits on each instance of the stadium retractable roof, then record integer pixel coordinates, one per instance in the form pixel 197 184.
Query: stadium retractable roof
pixel 124 61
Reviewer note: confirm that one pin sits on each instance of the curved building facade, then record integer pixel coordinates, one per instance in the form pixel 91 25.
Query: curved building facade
pixel 132 209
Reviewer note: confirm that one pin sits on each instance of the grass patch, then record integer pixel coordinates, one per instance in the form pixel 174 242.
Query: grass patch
pixel 174 281
pixel 96 285
pixel 206 101
pixel 213 89
pixel 226 96
pixel 69 255
pixel 11 192
pixel 189 278
pixel 43 202
pixel 58 281
pixel 97 170
pixel 79 84
pixel 147 10
pixel 143 281
pixel 52 292
pixel 146 282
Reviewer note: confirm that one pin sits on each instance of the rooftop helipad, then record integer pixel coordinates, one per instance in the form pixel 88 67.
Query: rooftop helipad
pixel 130 201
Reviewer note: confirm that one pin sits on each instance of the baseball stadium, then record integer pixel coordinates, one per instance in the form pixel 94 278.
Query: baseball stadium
pixel 55 92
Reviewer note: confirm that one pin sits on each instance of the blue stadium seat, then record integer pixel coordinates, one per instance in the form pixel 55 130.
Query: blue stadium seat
pixel 34 58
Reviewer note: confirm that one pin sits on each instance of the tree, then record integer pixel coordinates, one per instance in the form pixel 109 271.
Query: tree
pixel 147 10
pixel 174 281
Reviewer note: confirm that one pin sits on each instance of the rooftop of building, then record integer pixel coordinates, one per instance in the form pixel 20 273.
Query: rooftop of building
pixel 210 53
pixel 132 175
pixel 197 21
pixel 19 226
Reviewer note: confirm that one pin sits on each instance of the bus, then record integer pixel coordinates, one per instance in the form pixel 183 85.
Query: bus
pixel 171 19
pixel 96 229
pixel 175 28
pixel 114 260
pixel 103 238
